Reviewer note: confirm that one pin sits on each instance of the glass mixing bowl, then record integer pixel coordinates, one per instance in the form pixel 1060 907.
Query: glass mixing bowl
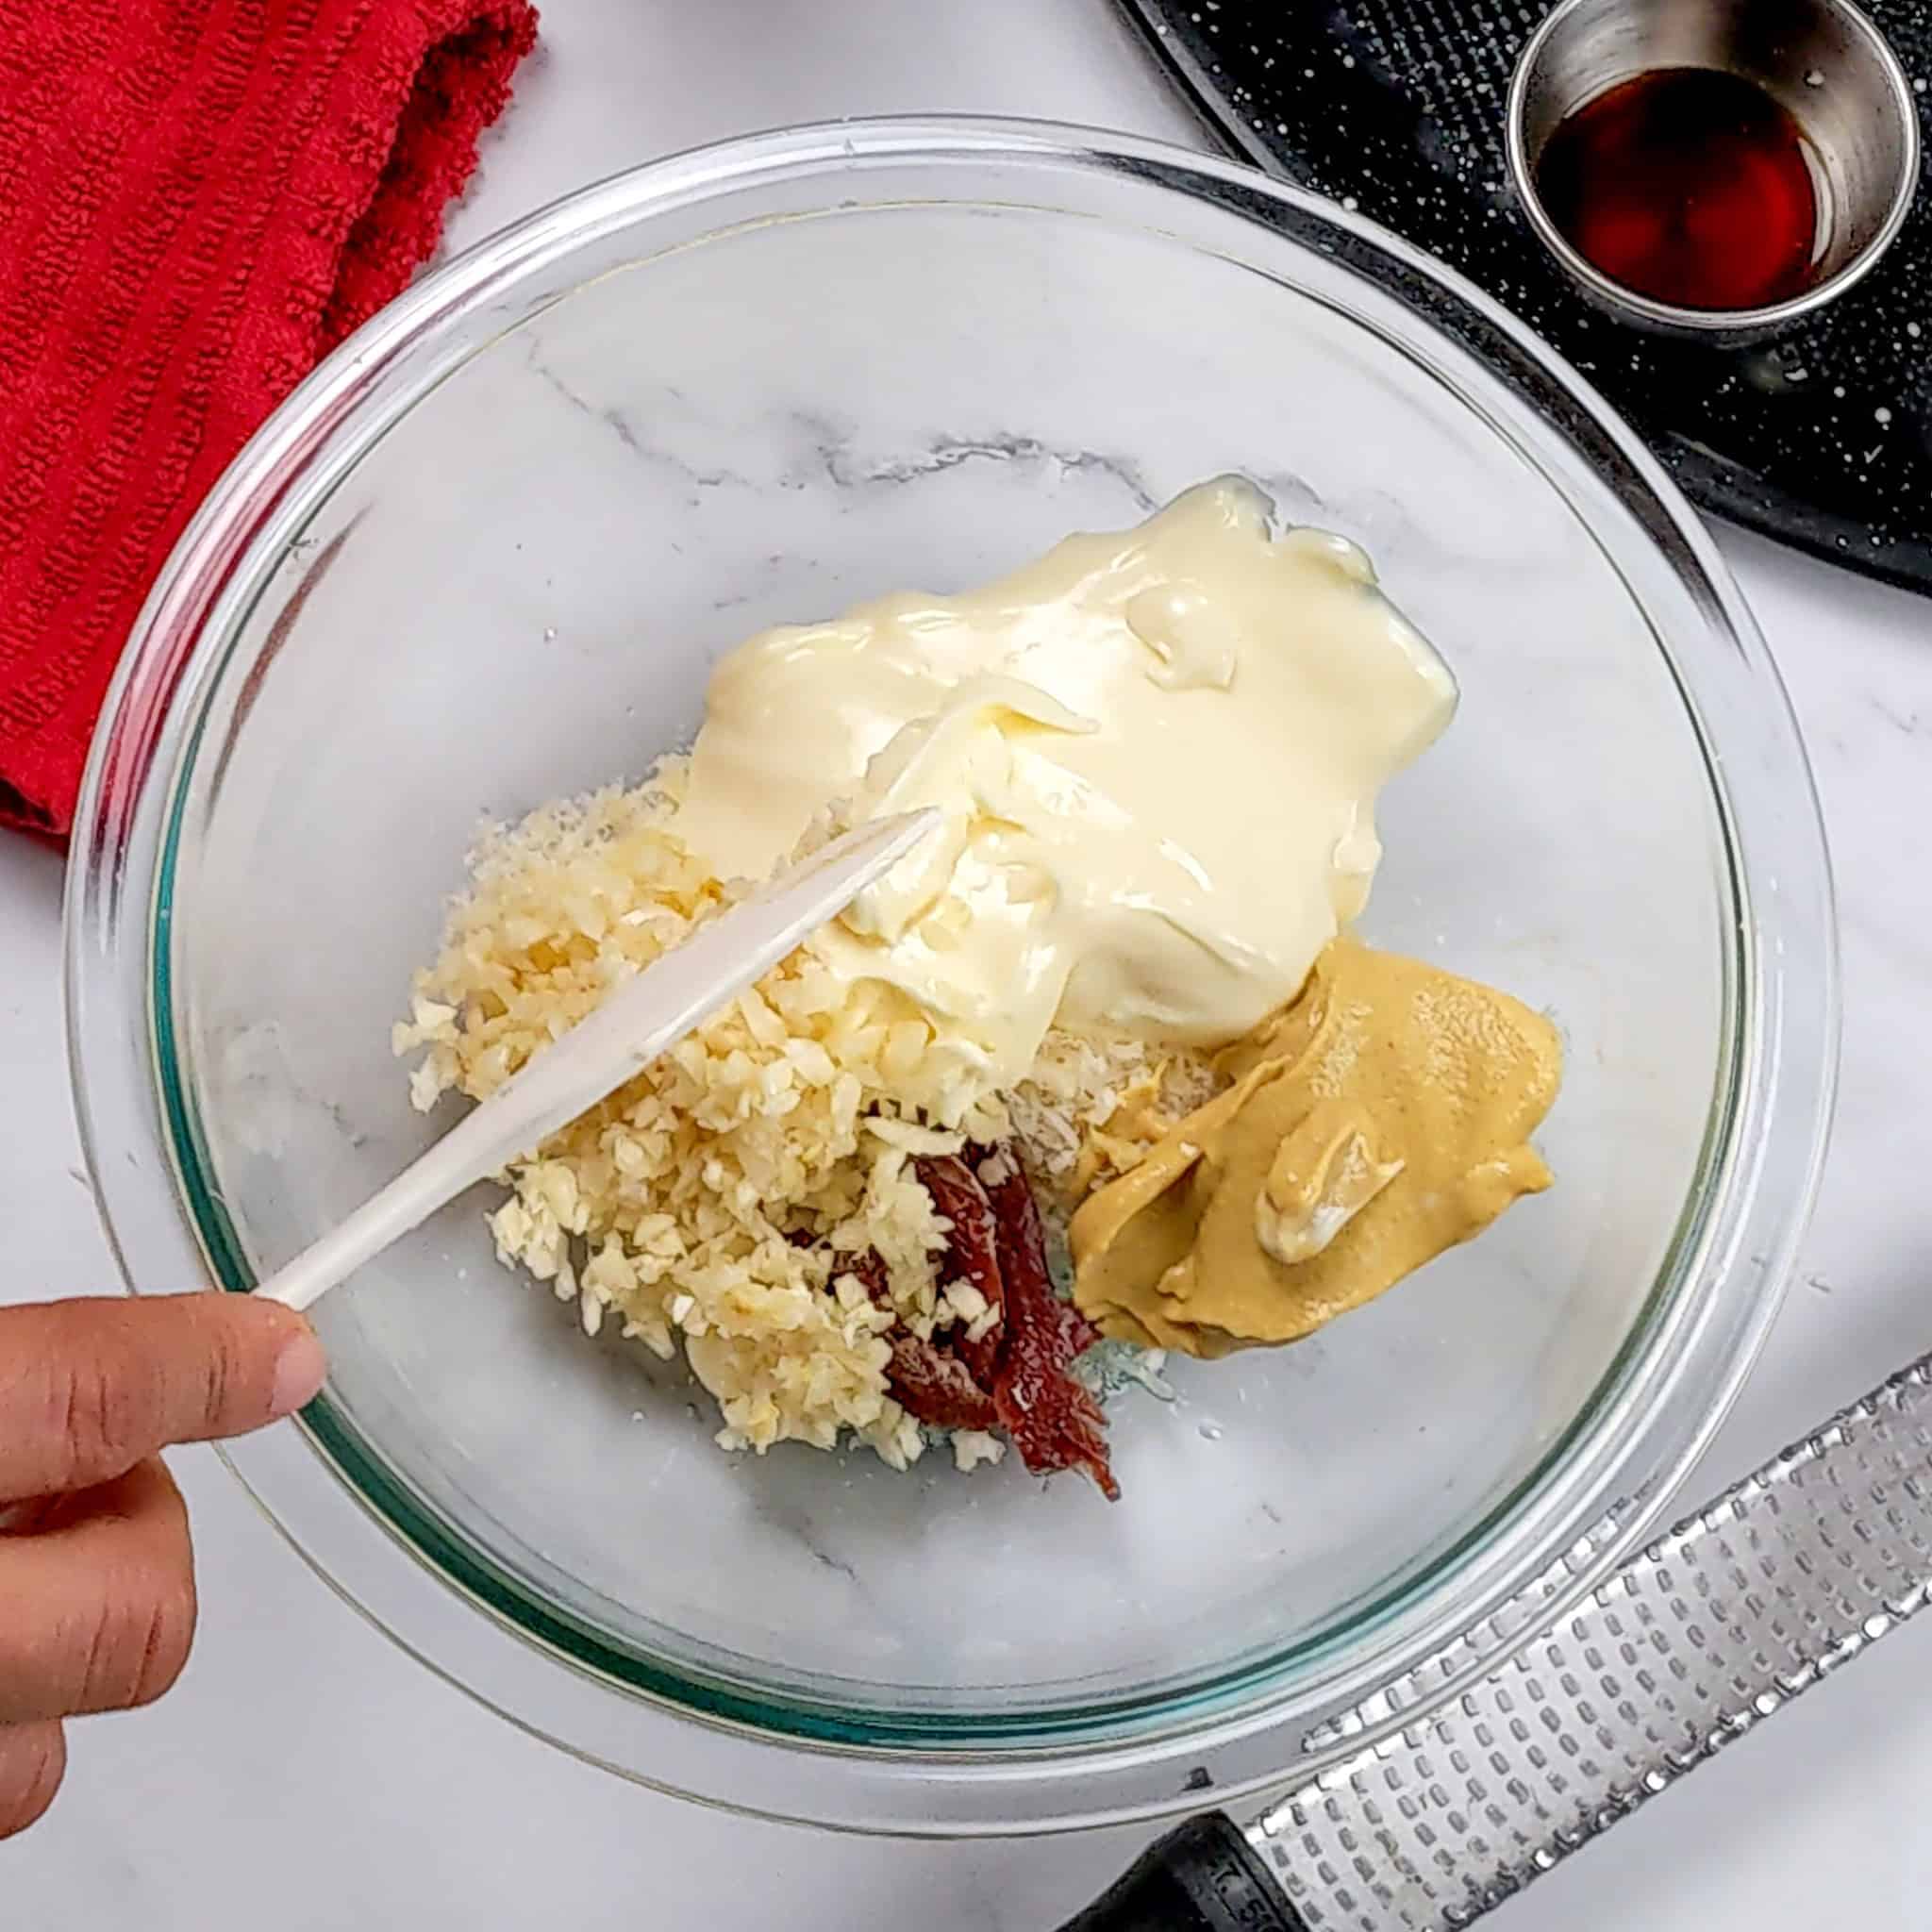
pixel 486 554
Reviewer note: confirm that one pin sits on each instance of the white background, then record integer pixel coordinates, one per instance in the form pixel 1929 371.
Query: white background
pixel 307 1776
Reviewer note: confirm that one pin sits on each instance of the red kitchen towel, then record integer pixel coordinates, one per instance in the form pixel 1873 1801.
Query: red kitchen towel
pixel 198 198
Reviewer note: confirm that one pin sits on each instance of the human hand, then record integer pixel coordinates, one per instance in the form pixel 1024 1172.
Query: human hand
pixel 96 1578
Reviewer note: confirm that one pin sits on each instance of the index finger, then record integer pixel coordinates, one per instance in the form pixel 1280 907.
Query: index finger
pixel 88 1389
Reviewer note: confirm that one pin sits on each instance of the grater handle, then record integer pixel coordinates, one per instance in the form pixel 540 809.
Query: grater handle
pixel 1203 1877
pixel 1743 1607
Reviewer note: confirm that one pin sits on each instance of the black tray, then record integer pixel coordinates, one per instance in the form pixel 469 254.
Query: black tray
pixel 1821 439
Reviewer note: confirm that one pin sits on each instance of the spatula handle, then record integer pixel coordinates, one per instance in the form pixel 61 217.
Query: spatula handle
pixel 637 1021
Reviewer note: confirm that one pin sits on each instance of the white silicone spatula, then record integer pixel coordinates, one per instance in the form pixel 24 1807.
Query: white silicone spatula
pixel 630 1029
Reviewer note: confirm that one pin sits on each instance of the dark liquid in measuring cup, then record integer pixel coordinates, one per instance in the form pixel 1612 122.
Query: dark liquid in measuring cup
pixel 1689 186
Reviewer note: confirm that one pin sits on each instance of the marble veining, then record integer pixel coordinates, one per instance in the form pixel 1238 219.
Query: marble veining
pixel 620 425
pixel 836 452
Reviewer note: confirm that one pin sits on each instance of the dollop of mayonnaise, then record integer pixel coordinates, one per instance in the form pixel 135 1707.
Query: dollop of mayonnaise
pixel 1158 753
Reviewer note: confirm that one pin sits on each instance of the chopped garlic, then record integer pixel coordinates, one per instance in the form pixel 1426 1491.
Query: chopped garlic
pixel 971 1447
pixel 673 1204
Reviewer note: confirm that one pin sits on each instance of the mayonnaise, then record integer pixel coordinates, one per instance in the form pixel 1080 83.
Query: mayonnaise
pixel 1157 753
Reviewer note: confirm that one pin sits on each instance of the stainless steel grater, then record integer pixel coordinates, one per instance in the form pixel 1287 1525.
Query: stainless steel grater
pixel 1717 1625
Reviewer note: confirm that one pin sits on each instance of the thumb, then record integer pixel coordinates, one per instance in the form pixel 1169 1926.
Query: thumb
pixel 88 1389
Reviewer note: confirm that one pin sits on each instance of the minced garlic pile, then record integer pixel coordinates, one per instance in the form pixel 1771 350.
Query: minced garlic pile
pixel 713 1199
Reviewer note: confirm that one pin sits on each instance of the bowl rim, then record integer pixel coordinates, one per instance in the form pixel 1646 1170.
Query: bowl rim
pixel 965 1789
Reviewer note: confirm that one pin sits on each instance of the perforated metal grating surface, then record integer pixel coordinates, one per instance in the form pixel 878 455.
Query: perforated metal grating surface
pixel 1795 1572
pixel 1395 107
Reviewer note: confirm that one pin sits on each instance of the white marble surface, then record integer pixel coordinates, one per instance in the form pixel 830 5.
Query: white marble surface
pixel 307 1776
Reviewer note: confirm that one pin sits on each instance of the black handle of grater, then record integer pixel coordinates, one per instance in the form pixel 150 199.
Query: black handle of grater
pixel 1203 1876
